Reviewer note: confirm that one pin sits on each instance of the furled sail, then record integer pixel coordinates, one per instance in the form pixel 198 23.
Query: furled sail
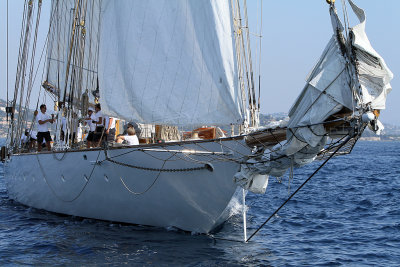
pixel 169 62
pixel 374 75
pixel 336 83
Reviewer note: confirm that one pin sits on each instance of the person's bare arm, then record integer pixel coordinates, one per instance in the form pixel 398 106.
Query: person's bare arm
pixel 45 121
pixel 109 125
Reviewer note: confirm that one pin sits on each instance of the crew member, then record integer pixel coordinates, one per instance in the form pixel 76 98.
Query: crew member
pixel 44 121
pixel 130 138
pixel 92 127
pixel 98 121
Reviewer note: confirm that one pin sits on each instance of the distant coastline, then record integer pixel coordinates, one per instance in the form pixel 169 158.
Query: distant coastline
pixel 390 133
pixel 379 138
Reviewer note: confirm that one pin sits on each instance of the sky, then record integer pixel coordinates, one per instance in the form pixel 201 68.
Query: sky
pixel 294 35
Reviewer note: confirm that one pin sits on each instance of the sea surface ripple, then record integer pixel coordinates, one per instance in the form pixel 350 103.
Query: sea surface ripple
pixel 347 215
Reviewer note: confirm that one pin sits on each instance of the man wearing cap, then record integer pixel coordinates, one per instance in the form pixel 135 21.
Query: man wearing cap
pixel 92 127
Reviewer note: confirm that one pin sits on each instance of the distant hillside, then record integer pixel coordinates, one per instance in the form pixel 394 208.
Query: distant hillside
pixel 391 132
pixel 267 118
pixel 3 119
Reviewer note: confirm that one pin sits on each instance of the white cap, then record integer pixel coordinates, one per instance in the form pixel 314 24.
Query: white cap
pixel 90 108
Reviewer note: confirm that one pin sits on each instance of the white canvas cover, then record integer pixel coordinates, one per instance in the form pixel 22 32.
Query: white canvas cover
pixel 374 75
pixel 327 91
pixel 169 62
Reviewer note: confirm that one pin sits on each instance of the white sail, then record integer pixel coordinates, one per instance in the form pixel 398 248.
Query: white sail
pixel 327 91
pixel 374 75
pixel 169 62
pixel 332 85
pixel 324 95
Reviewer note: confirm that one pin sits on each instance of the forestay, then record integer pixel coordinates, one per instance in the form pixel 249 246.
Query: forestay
pixel 169 62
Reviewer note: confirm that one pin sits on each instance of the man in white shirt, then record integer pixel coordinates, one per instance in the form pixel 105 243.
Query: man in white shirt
pixel 92 127
pixel 25 139
pixel 110 128
pixel 44 121
pixel 99 122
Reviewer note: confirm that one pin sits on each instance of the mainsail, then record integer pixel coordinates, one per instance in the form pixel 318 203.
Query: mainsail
pixel 169 62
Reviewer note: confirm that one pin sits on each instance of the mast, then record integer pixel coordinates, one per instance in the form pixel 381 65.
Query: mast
pixel 253 105
pixel 72 56
pixel 22 96
pixel 70 48
pixel 244 62
pixel 73 50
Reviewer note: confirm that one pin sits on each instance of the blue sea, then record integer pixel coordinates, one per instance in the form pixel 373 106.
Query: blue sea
pixel 347 215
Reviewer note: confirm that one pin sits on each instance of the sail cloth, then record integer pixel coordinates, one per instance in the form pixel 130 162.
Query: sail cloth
pixel 169 62
pixel 329 88
pixel 374 75
pixel 326 92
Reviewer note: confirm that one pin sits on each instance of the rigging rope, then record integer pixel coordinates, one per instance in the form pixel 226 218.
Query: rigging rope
pixel 250 63
pixel 237 31
pixel 24 122
pixel 152 184
pixel 298 189
pixel 7 63
pixel 37 71
pixel 259 61
pixel 83 188
pixel 21 67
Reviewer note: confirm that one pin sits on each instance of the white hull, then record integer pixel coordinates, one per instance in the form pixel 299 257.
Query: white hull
pixel 72 183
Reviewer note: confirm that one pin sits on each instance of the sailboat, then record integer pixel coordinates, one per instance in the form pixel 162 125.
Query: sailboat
pixel 182 69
